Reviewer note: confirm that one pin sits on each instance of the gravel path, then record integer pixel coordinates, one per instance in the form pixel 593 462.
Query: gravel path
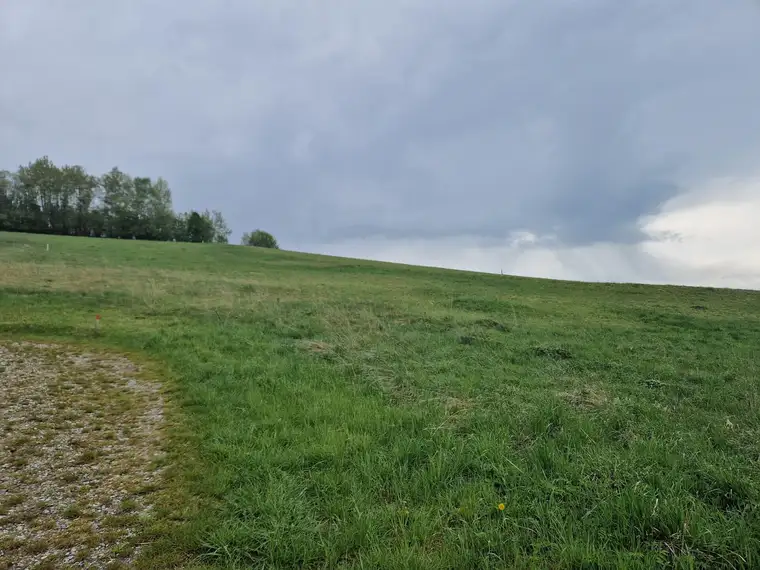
pixel 80 457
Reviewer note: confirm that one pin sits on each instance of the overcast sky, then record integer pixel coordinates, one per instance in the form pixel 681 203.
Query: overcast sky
pixel 582 139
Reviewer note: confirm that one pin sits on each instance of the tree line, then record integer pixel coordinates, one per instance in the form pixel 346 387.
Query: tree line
pixel 44 198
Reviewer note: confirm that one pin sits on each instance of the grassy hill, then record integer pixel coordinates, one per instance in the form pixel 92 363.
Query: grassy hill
pixel 337 413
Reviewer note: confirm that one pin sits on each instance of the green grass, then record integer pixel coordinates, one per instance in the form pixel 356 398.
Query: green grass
pixel 333 413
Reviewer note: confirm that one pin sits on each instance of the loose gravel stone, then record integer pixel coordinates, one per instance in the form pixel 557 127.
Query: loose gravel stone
pixel 80 457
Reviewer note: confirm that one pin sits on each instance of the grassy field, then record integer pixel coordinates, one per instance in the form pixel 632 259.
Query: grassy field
pixel 333 413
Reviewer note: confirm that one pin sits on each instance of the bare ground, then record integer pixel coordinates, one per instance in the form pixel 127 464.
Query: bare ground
pixel 80 457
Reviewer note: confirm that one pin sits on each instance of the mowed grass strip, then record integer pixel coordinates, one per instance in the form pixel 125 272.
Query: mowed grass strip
pixel 338 413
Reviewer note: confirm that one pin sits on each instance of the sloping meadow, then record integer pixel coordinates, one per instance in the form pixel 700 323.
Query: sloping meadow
pixel 343 413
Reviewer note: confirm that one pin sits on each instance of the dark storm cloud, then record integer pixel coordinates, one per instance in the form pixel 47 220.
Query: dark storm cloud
pixel 411 119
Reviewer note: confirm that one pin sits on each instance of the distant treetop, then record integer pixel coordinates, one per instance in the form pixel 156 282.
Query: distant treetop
pixel 260 238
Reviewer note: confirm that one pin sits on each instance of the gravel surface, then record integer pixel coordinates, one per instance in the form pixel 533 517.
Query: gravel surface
pixel 80 457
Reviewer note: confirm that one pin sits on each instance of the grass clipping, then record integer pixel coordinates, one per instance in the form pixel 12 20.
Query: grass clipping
pixel 80 456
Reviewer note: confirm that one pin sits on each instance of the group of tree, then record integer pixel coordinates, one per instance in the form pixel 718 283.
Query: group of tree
pixel 44 198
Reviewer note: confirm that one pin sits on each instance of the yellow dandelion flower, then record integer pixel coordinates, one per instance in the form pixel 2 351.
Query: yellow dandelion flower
pixel 501 506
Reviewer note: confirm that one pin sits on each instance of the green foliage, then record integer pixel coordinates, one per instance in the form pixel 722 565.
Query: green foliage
pixel 331 415
pixel 43 198
pixel 199 228
pixel 260 238
pixel 6 201
pixel 221 229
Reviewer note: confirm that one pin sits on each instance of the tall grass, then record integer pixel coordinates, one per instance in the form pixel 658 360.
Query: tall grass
pixel 337 413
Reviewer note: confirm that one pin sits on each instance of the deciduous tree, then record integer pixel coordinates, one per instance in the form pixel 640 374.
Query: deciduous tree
pixel 260 238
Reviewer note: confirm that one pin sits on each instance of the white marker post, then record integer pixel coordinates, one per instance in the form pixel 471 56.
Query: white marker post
pixel 97 323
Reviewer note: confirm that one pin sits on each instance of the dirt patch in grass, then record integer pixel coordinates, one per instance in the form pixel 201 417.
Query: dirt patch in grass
pixel 80 457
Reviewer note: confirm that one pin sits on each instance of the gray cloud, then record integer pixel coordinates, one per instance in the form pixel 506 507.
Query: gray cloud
pixel 408 119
